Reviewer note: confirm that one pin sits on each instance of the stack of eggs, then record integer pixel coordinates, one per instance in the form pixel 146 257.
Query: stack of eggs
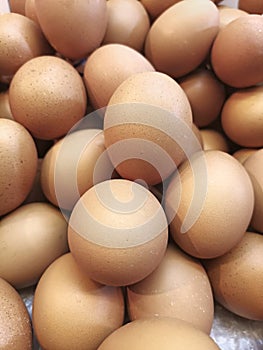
pixel 131 171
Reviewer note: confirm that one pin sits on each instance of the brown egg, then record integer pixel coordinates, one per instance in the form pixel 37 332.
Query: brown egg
pixel 128 23
pixel 228 14
pixel 47 96
pixel 30 10
pixel 206 95
pixel 158 333
pixel 17 6
pixel 118 232
pixel 18 164
pixel 148 127
pixel 21 40
pixel 32 237
pixel 251 6
pixel 179 288
pixel 208 193
pixel 214 140
pixel 36 194
pixel 70 311
pixel 254 167
pixel 5 111
pixel 156 7
pixel 177 47
pixel 15 326
pixel 73 29
pixel 241 117
pixel 229 57
pixel 73 165
pixel 102 75
pixel 237 277
pixel 242 154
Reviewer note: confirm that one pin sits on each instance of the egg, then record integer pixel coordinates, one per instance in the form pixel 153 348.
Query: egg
pixel 228 14
pixel 36 194
pixel 156 7
pixel 251 6
pixel 17 6
pixel 209 192
pixel 73 29
pixel 70 311
pixel 21 40
pixel 5 111
pixel 214 140
pixel 128 23
pixel 179 288
pixel 158 333
pixel 30 10
pixel 206 95
pixel 254 166
pixel 15 325
pixel 102 75
pixel 118 232
pixel 73 165
pixel 18 164
pixel 243 153
pixel 229 55
pixel 31 237
pixel 177 47
pixel 47 96
pixel 237 277
pixel 148 127
pixel 242 117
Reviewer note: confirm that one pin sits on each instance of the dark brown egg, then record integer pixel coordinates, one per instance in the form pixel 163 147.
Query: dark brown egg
pixel 251 6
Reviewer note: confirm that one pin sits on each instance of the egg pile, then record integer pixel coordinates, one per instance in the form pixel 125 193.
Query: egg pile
pixel 131 171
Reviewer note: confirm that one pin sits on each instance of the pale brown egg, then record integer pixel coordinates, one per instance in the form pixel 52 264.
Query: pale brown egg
pixel 73 165
pixel 158 333
pixel 251 6
pixel 177 47
pixel 242 117
pixel 237 277
pixel 30 10
pixel 128 23
pixel 242 154
pixel 17 6
pixel 15 325
pixel 148 127
pixel 206 95
pixel 208 193
pixel 107 67
pixel 21 40
pixel 70 311
pixel 73 29
pixel 179 288
pixel 118 232
pixel 47 96
pixel 5 111
pixel 228 14
pixel 18 164
pixel 156 7
pixel 32 237
pixel 254 167
pixel 214 140
pixel 229 56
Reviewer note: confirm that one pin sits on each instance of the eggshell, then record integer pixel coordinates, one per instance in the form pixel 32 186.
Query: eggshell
pixel 102 75
pixel 17 168
pixel 128 23
pixel 243 153
pixel 251 6
pixel 242 117
pixel 21 40
pixel 229 56
pixel 31 237
pixel 118 232
pixel 17 6
pixel 237 277
pixel 209 192
pixel 47 96
pixel 254 167
pixel 214 140
pixel 30 10
pixel 206 95
pixel 148 127
pixel 5 111
pixel 70 311
pixel 36 194
pixel 158 333
pixel 15 326
pixel 177 47
pixel 156 7
pixel 74 28
pixel 179 288
pixel 228 14
pixel 73 165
